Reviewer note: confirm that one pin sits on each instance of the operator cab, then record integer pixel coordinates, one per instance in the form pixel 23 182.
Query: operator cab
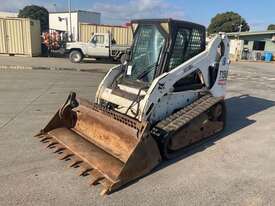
pixel 159 46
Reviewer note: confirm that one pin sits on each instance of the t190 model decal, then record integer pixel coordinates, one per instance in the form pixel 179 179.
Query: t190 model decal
pixel 223 77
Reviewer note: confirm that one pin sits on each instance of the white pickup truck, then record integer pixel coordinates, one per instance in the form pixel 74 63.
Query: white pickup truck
pixel 101 45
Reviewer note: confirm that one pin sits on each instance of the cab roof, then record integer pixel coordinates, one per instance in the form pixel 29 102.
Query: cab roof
pixel 172 22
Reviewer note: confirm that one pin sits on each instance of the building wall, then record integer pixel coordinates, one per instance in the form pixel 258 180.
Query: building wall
pixel 76 17
pixel 248 43
pixel 64 25
pixel 270 46
pixel 89 17
pixel 235 48
pixel 35 37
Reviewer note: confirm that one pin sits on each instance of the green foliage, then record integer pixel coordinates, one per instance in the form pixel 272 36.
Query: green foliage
pixel 271 27
pixel 36 12
pixel 227 22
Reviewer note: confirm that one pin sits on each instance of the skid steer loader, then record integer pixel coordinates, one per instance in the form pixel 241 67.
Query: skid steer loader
pixel 168 94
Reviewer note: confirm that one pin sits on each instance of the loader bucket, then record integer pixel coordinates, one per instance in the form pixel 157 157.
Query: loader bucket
pixel 112 148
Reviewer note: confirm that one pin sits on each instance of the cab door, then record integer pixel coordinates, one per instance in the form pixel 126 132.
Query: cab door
pixel 99 45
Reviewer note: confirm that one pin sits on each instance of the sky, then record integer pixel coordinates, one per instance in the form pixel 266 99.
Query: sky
pixel 258 14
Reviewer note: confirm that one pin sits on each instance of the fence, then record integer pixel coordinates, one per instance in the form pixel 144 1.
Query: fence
pixel 19 36
pixel 122 35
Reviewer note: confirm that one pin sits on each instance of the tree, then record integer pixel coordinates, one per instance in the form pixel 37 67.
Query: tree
pixel 36 12
pixel 227 22
pixel 271 27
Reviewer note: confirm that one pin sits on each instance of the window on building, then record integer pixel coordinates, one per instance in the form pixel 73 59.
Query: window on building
pixel 245 42
pixel 259 45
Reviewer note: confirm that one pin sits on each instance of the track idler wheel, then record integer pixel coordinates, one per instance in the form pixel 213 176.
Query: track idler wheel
pixel 165 148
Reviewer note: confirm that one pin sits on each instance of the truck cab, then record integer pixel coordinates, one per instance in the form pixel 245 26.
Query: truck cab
pixel 100 45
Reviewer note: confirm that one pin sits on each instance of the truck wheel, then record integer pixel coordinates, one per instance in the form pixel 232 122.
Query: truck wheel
pixel 75 56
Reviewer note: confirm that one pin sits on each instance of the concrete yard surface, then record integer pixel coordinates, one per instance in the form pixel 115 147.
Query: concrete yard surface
pixel 234 168
pixel 21 62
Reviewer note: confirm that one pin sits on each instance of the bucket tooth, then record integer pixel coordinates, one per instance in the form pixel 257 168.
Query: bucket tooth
pixel 85 170
pixel 96 176
pixel 65 156
pixel 104 191
pixel 106 184
pixel 59 149
pixel 76 163
pixel 52 147
pixel 39 136
pixel 45 139
pixel 51 144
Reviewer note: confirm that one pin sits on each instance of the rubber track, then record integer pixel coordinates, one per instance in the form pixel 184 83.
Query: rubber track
pixel 188 113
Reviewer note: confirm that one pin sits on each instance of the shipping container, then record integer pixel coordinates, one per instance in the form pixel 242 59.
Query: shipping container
pixel 122 35
pixel 20 36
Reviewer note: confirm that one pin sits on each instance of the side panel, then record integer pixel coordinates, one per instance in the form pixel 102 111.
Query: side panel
pixel 219 87
pixel 15 36
pixel 35 38
pixel 3 46
pixel 163 85
pixel 27 38
pixel 172 102
pixel 107 81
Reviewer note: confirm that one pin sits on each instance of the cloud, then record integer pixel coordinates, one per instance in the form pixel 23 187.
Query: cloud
pixel 15 5
pixel 12 5
pixel 135 9
pixel 112 12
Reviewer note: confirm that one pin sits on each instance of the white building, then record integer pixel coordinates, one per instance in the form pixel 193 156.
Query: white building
pixel 61 21
pixel 4 14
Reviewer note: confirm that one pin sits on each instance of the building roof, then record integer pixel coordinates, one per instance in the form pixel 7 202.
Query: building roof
pixel 8 14
pixel 251 33
pixel 73 11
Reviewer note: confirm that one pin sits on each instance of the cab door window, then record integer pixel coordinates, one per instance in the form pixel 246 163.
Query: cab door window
pixel 181 43
pixel 98 39
pixel 188 43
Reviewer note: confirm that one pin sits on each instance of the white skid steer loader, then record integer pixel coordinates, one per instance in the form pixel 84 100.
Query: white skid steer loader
pixel 168 94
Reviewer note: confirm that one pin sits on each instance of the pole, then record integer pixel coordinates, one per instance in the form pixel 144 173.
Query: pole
pixel 241 25
pixel 70 17
pixel 54 5
pixel 239 43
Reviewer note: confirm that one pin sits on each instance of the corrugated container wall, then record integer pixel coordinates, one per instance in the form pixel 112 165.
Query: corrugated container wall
pixel 122 35
pixel 19 36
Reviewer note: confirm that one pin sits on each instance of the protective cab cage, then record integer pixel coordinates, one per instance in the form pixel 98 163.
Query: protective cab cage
pixel 169 28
